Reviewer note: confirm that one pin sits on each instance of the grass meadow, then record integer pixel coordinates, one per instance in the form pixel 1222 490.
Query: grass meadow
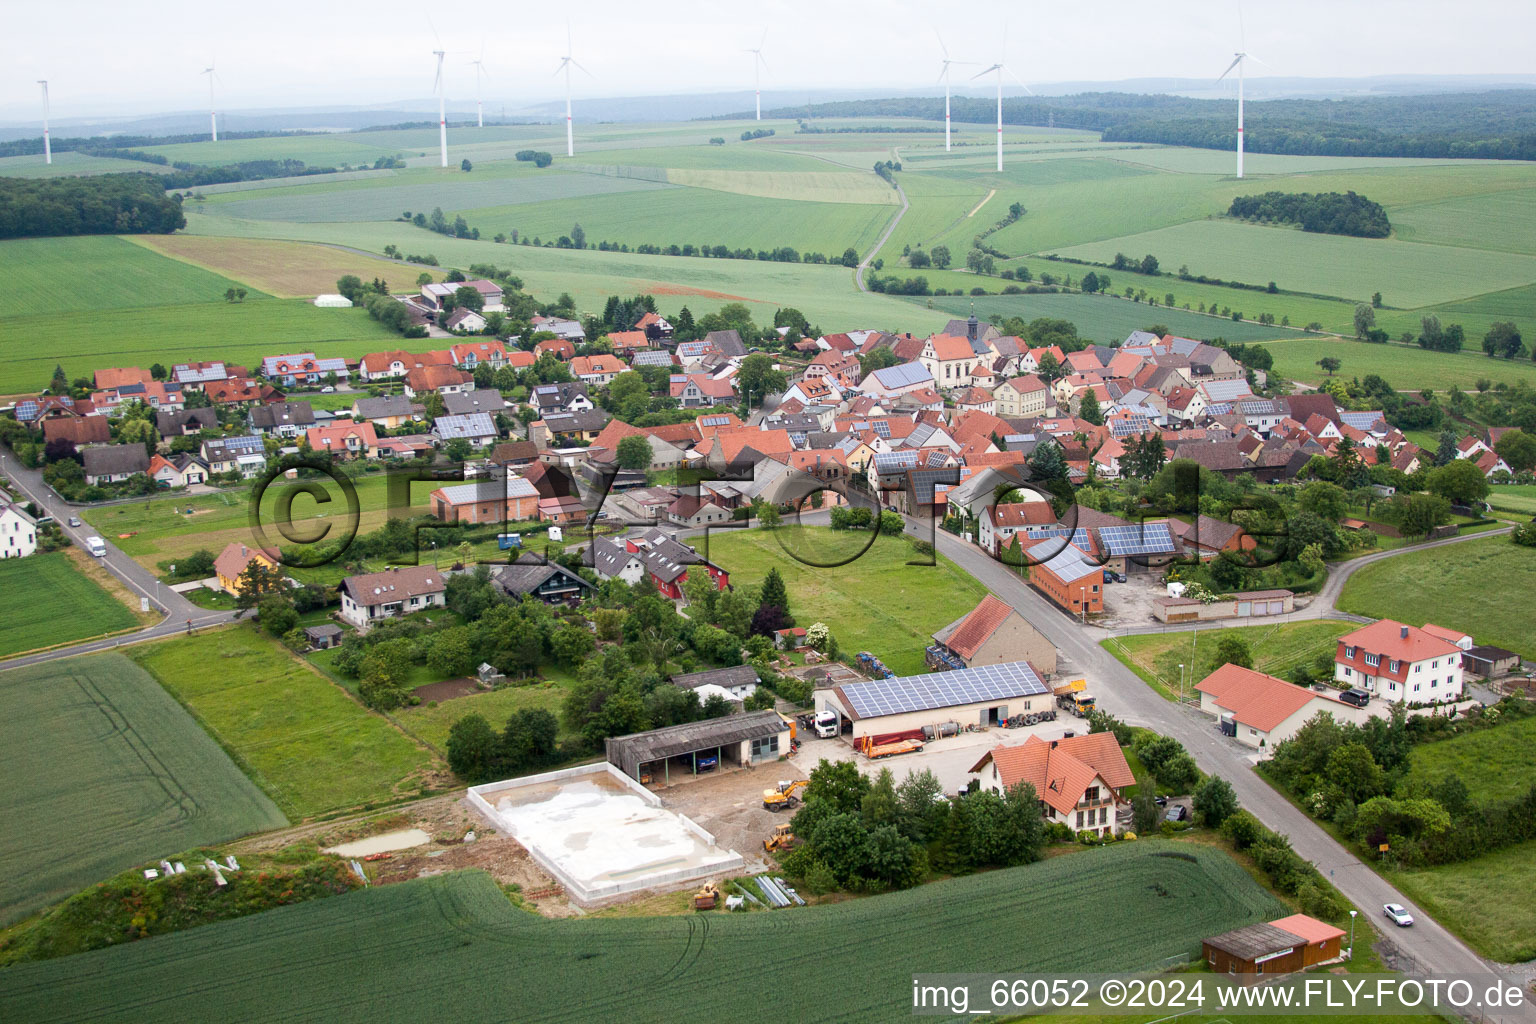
pixel 1489 901
pixel 299 736
pixel 45 601
pixel 1277 648
pixel 93 273
pixel 455 940
pixel 875 603
pixel 1469 586
pixel 1103 318
pixel 1403 366
pixel 240 333
pixel 1514 498
pixel 103 770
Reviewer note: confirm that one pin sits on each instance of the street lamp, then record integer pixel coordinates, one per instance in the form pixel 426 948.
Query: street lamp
pixel 1181 680
pixel 1352 914
pixel 434 554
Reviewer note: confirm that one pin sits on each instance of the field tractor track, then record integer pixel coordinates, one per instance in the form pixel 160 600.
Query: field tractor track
pixel 156 769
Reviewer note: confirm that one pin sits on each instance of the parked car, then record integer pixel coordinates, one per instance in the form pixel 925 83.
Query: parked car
pixel 1118 577
pixel 327 390
pixel 1178 814
pixel 1161 801
pixel 1359 698
pixel 74 520
pixel 706 763
pixel 1398 914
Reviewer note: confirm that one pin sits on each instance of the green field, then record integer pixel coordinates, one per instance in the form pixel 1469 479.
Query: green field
pixel 1495 764
pixel 1103 318
pixel 49 276
pixel 103 770
pixel 1407 274
pixel 45 600
pixel 1472 586
pixel 1477 222
pixel 1490 901
pixel 1277 648
pixel 875 603
pixel 242 333
pixel 298 735
pixel 453 943
pixel 1514 498
pixel 1403 366
pixel 431 724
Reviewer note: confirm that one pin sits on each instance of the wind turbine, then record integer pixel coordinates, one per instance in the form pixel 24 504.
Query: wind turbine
pixel 213 117
pixel 1238 60
pixel 47 143
pixel 758 63
pixel 944 77
pixel 479 64
pixel 566 63
pixel 442 110
pixel 1000 67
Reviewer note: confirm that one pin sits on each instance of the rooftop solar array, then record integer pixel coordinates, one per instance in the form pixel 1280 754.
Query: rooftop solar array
pixel 1362 420
pixel 903 694
pixel 1226 390
pixel 1079 536
pixel 1124 426
pixel 1145 539
pixel 1070 564
pixel 903 375
pixel 892 461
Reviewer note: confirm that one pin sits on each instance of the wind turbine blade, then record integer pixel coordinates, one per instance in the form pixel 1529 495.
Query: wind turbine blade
pixel 942 47
pixel 1263 62
pixel 761 59
pixel 763 40
pixel 589 74
pixel 1021 81
pixel 987 71
pixel 1242 35
pixel 561 66
pixel 1236 61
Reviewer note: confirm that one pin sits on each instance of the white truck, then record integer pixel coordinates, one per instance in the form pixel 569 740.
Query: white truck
pixel 96 546
pixel 826 724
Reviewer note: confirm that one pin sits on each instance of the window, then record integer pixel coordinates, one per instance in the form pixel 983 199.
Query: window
pixel 1079 819
pixel 1349 652
pixel 765 747
pixel 1348 672
pixel 1372 660
pixel 1419 667
pixel 1415 687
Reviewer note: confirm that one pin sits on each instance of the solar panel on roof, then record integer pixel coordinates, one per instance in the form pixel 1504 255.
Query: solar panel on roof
pixel 943 689
pixel 882 428
pixel 1145 539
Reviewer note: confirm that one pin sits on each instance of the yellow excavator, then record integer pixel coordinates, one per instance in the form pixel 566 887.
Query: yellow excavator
pixel 787 795
pixel 782 839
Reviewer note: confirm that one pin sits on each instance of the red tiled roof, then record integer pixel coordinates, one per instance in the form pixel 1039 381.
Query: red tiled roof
pixel 1386 639
pixel 1257 700
pixel 983 621
pixel 1308 928
pixel 1061 770
pixel 947 347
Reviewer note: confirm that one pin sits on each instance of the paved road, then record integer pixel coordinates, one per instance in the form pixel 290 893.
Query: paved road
pixel 858 275
pixel 1122 693
pixel 178 611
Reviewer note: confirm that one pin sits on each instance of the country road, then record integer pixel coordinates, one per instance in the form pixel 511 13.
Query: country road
pixel 1121 692
pixel 858 275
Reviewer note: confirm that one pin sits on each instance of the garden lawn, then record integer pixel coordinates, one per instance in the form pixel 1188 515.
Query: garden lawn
pixel 431 724
pixel 298 735
pixel 45 601
pixel 1277 648
pixel 455 941
pixel 1495 764
pixel 103 272
pixel 241 333
pixel 1490 901
pixel 875 603
pixel 1478 586
pixel 103 770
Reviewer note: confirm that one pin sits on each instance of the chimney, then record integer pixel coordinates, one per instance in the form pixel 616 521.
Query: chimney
pixel 1403 633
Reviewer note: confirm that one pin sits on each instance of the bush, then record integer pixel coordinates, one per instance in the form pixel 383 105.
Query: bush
pixel 1242 829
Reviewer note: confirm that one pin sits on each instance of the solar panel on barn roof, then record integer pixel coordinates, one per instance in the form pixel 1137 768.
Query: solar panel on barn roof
pixel 943 689
pixel 1145 539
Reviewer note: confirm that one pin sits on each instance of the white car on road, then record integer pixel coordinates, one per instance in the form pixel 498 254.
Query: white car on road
pixel 1398 914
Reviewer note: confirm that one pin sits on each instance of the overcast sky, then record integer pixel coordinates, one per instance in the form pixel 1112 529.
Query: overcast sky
pixel 105 57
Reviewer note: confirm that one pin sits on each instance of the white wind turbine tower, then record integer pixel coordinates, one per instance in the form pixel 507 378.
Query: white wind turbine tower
pixel 1238 60
pixel 47 143
pixel 479 64
pixel 566 63
pixel 999 68
pixel 758 63
pixel 442 110
pixel 944 77
pixel 213 116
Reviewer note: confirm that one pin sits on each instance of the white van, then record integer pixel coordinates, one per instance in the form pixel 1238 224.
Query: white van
pixel 96 546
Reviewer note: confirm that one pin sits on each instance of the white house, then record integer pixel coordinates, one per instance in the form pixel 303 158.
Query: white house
pixel 1399 663
pixel 1261 711
pixel 390 594
pixel 18 531
pixel 948 360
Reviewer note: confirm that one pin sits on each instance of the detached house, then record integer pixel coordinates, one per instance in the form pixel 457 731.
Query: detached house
pixel 234 559
pixel 344 438
pixel 597 371
pixel 442 379
pixel 390 594
pixel 302 368
pixel 114 463
pixel 281 419
pixel 177 470
pixel 246 455
pixel 1400 663
pixel 999 523
pixel 18 531
pixel 1079 780
pixel 1021 397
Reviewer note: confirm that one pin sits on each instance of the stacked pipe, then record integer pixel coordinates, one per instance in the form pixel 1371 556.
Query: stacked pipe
pixel 789 892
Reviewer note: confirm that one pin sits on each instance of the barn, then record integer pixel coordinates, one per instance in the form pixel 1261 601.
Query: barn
pixel 904 705
pixel 1277 947
pixel 687 749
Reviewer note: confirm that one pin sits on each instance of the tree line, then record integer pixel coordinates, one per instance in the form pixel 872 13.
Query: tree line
pixel 104 204
pixel 1331 213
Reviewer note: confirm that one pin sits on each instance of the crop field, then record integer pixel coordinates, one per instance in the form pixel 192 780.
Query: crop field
pixel 825 294
pixel 66 164
pixel 1477 222
pixel 241 333
pixel 1276 649
pixel 875 603
pixel 1407 274
pixel 96 273
pixel 1103 318
pixel 284 269
pixel 299 736
pixel 1450 586
pixel 103 769
pixel 45 600
pixel 455 943
pixel 1402 366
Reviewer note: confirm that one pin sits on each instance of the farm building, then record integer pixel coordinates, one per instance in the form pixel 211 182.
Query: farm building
pixel 1276 947
pixel 1486 662
pixel 1080 780
pixel 1260 710
pixel 685 749
pixel 1242 605
pixel 739 682
pixel 1067 575
pixel 495 499
pixel 989 634
pixel 903 705
pixel 333 302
